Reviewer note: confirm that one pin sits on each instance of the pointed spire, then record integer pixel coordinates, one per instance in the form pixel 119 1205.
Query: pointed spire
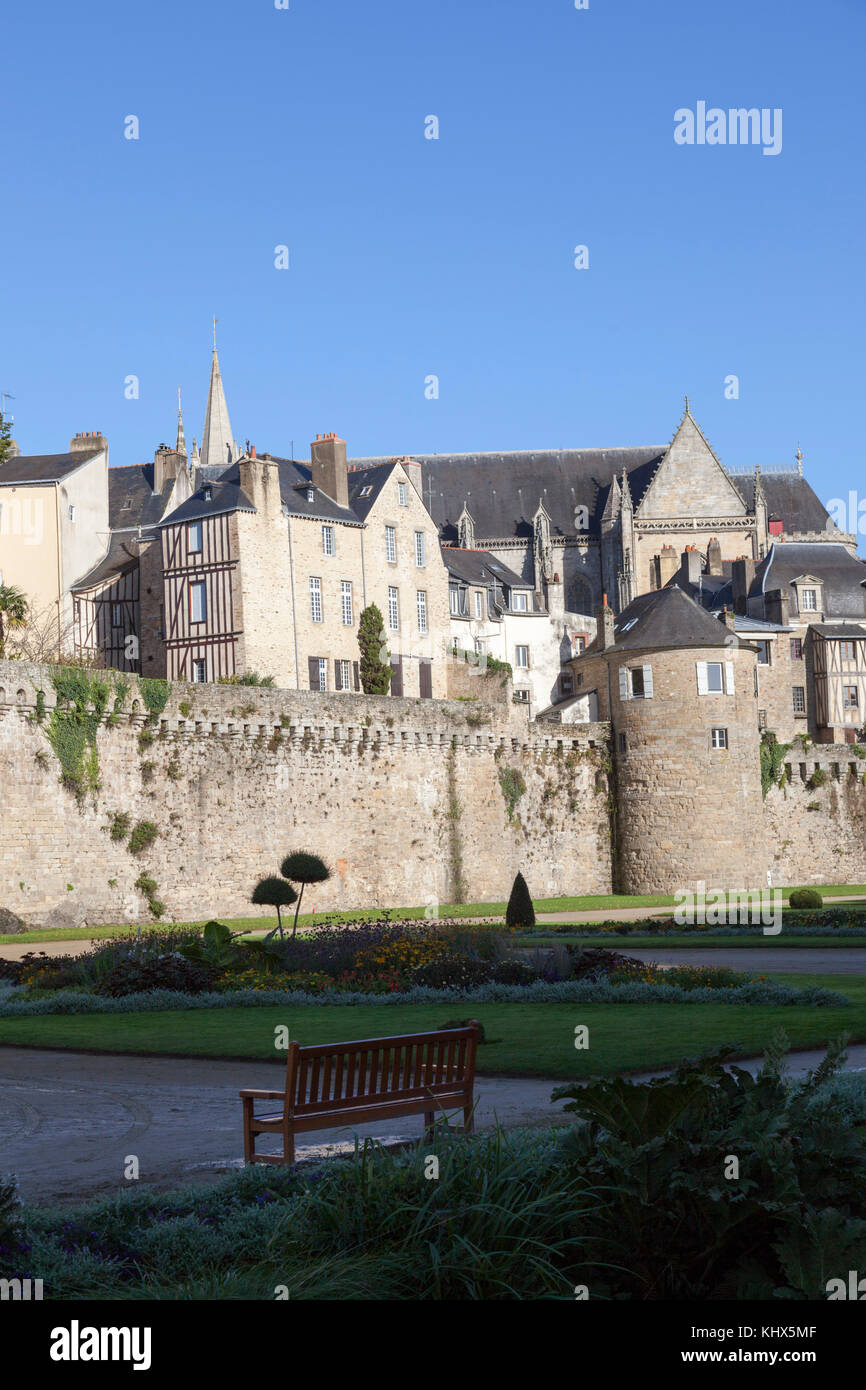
pixel 799 460
pixel 688 409
pixel 217 444
pixel 194 456
pixel 626 492
pixel 180 447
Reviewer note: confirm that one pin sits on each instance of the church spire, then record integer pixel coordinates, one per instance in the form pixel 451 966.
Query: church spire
pixel 217 445
pixel 180 446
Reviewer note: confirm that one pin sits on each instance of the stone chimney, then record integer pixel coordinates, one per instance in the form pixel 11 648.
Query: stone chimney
pixel 167 465
pixel 606 621
pixel 328 457
pixel 89 440
pixel 667 564
pixel 260 480
pixel 729 619
pixel 714 557
pixel 413 473
pixel 777 607
pixel 691 567
pixel 742 575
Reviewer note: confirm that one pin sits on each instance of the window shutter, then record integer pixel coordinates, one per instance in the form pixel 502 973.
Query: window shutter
pixel 357 674
pixel 313 663
pixel 648 682
pixel 729 677
pixel 337 682
pixel 703 683
pixel 623 683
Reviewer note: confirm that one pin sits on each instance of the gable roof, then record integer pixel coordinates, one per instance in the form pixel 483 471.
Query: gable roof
pixel 132 501
pixel 841 573
pixel 122 554
pixel 667 618
pixel 373 479
pixel 44 468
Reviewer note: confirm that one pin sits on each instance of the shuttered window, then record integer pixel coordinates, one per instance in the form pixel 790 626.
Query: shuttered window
pixel 715 677
pixel 636 683
pixel 342 676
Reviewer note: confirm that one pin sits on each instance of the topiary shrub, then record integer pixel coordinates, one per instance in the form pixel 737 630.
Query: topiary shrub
pixel 520 912
pixel 274 892
pixel 805 897
pixel 302 867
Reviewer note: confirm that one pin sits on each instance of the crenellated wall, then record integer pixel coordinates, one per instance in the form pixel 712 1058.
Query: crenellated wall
pixel 412 802
pixel 817 833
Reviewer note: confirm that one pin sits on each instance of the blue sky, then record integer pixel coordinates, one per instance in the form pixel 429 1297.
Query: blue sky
pixel 412 257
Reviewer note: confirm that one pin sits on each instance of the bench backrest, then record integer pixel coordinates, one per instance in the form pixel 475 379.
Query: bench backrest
pixel 334 1076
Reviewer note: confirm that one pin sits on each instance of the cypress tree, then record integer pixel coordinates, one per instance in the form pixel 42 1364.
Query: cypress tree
pixel 520 912
pixel 375 672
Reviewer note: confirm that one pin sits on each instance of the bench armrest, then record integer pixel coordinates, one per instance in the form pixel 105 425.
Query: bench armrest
pixel 262 1095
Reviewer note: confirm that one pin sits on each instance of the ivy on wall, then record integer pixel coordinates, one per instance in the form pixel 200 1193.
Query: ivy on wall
pixel 154 693
pixel 72 724
pixel 512 786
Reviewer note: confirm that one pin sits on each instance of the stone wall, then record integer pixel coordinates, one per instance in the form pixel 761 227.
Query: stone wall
pixel 412 802
pixel 817 833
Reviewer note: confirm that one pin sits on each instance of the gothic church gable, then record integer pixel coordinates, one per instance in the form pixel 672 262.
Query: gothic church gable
pixel 690 481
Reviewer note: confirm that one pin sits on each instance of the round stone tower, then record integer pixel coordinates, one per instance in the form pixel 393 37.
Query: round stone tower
pixel 682 703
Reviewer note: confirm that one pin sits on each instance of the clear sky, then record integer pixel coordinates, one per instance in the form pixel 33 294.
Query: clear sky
pixel 454 257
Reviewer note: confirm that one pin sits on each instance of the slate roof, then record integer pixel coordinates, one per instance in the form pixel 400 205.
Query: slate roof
pixel 479 567
pixel 841 574
pixel 132 501
pixel 227 495
pixel 832 630
pixel 789 497
pixel 502 490
pixel 44 468
pixel 668 618
pixel 710 592
pixel 374 478
pixel 122 555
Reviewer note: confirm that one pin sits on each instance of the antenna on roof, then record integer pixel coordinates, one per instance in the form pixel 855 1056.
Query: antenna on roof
pixel 4 397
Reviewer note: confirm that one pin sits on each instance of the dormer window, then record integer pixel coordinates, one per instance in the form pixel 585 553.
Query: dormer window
pixel 311 494
pixel 208 493
pixel 809 600
pixel 520 601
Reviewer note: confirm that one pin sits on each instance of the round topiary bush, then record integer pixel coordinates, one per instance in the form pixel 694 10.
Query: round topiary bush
pixel 805 897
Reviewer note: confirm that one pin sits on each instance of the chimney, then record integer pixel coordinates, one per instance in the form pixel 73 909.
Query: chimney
pixel 777 607
pixel 605 626
pixel 13 451
pixel 89 440
pixel 729 619
pixel 167 464
pixel 714 557
pixel 260 480
pixel 667 564
pixel 691 568
pixel 413 473
pixel 328 457
pixel 742 576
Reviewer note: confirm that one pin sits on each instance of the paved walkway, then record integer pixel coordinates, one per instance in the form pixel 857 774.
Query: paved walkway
pixel 69 1121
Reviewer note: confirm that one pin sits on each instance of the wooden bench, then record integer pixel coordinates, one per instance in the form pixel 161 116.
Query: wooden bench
pixel 334 1084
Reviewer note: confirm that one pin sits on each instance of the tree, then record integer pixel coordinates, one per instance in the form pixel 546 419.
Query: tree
pixel 5 438
pixel 520 911
pixel 375 666
pixel 13 612
pixel 274 892
pixel 303 868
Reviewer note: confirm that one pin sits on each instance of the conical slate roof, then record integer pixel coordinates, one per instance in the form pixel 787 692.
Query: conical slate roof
pixel 217 445
pixel 668 618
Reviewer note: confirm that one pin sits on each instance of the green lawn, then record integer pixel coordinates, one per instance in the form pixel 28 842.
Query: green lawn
pixel 532 1039
pixel 600 903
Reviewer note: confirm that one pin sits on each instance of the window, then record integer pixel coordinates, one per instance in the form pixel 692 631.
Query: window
pixel 193 538
pixel 422 610
pixel 849 651
pixel 393 609
pixel 420 548
pixel 520 601
pixel 850 697
pixel 323 673
pixel 328 540
pixel 580 678
pixel 479 646
pixel 479 605
pixel 521 697
pixel 578 644
pixel 809 600
pixel 763 653
pixel 715 677
pixel 365 492
pixel 342 675
pixel 622 741
pixel 71 513
pixel 311 494
pixel 316 599
pixel 346 603
pixel 401 495
pixel 521 658
pixel 799 694
pixel 117 615
pixel 208 493
pixel 199 672
pixel 566 683
pixel 390 545
pixel 796 649
pixel 198 602
pixel 719 738
pixel 455 601
pixel 635 682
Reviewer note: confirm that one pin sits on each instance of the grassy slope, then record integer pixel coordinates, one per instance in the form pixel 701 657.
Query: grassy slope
pixel 534 1040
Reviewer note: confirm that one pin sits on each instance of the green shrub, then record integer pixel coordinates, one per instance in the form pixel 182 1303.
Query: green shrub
pixel 251 678
pixel 805 897
pixel 120 825
pixel 818 778
pixel 520 912
pixel 143 834
pixel 512 786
